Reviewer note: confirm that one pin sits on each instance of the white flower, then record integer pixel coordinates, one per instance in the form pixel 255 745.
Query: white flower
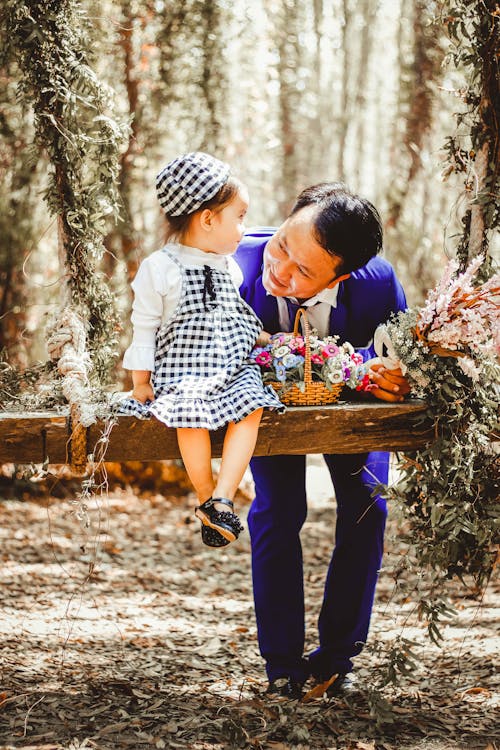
pixel 467 365
pixel 390 360
pixel 281 351
pixel 335 377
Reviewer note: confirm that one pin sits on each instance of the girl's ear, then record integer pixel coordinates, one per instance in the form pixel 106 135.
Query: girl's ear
pixel 206 218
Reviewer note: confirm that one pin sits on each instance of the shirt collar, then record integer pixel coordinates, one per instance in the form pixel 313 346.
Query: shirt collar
pixel 328 296
pixel 194 253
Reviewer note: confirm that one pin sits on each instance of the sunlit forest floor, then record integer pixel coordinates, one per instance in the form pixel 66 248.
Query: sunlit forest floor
pixel 131 634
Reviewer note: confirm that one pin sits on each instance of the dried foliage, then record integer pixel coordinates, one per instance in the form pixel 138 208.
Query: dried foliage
pixel 30 389
pixel 129 633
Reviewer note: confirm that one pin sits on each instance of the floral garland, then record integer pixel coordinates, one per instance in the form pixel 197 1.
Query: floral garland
pixel 448 350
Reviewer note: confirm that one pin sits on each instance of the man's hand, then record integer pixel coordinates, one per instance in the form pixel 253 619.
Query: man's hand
pixel 391 385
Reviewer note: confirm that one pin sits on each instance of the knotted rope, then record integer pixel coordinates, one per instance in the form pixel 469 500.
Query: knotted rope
pixel 66 340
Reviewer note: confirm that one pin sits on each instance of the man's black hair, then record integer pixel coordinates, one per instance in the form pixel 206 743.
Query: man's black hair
pixel 345 225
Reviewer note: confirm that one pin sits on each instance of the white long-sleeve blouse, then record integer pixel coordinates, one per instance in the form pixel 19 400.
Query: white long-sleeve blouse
pixel 157 289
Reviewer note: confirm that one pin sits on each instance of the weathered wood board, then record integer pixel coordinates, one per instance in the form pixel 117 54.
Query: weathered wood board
pixel 346 427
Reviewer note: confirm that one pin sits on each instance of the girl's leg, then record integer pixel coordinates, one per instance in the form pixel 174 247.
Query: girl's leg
pixel 239 444
pixel 196 452
pixel 219 526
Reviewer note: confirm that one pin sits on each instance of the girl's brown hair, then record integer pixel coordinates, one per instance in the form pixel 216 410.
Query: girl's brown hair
pixel 177 226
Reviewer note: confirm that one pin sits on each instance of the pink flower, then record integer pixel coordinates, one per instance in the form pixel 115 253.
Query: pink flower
pixel 330 350
pixel 264 358
pixel 317 359
pixel 357 358
pixel 297 345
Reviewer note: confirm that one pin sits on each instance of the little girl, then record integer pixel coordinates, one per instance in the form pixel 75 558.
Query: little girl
pixel 193 334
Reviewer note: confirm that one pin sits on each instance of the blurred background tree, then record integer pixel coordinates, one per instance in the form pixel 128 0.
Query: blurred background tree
pixel 290 93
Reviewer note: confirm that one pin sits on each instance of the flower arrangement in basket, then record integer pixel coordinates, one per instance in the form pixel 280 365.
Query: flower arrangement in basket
pixel 309 371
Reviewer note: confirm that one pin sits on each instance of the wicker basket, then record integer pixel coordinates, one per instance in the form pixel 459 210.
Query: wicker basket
pixel 315 393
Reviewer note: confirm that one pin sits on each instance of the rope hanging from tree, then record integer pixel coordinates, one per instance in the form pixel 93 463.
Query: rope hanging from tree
pixel 66 344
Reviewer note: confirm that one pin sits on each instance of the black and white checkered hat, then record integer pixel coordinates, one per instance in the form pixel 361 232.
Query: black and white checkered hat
pixel 188 181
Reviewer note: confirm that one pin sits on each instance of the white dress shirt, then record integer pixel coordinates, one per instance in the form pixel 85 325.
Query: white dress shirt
pixel 157 290
pixel 318 311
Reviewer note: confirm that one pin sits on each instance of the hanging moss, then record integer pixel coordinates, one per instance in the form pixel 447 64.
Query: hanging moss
pixel 75 127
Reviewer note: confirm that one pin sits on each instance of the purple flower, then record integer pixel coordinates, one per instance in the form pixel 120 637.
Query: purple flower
pixel 280 372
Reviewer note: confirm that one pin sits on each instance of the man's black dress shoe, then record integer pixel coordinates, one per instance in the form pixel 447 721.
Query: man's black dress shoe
pixel 336 686
pixel 285 687
pixel 343 685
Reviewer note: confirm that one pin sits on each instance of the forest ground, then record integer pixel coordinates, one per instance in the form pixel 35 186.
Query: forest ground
pixel 129 633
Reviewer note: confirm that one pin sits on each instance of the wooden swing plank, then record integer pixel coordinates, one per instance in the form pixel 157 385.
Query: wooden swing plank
pixel 346 427
pixel 31 437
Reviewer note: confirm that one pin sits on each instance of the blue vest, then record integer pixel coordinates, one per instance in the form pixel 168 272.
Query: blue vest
pixel 366 299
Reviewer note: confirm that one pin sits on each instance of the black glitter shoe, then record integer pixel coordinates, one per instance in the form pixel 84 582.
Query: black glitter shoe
pixel 226 523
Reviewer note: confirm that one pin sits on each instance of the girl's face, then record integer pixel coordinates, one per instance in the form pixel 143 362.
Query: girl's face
pixel 228 224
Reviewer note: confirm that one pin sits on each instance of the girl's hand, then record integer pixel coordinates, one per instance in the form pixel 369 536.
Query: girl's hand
pixel 143 392
pixel 263 339
pixel 391 385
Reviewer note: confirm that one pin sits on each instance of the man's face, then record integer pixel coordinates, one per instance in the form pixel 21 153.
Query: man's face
pixel 295 265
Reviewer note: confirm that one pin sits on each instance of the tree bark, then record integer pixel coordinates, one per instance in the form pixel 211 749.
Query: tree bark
pixel 289 61
pixel 360 100
pixel 213 80
pixel 345 99
pixel 477 232
pixel 418 118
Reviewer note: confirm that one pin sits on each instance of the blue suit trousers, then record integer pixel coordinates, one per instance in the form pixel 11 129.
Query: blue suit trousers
pixel 275 520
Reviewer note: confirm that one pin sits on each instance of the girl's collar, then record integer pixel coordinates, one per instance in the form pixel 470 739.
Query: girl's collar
pixel 195 252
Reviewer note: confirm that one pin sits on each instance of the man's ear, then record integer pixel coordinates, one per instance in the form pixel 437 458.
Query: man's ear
pixel 206 218
pixel 337 280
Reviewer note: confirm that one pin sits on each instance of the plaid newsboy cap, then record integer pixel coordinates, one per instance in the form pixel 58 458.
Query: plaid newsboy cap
pixel 185 183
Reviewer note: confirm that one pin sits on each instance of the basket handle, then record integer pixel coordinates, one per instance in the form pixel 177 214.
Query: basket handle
pixel 301 313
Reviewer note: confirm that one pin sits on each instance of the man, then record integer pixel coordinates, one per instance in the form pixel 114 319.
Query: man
pixel 323 258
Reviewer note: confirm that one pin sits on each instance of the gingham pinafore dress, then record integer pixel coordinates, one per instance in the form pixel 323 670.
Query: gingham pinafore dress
pixel 203 377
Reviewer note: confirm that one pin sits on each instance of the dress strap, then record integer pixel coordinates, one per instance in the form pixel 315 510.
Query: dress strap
pixel 208 287
pixel 170 252
pixel 167 249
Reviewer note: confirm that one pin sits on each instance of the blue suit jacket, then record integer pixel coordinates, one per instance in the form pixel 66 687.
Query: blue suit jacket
pixel 365 299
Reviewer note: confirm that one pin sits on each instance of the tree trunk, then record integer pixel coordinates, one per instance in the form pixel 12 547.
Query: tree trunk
pixel 123 240
pixel 360 100
pixel 289 61
pixel 316 118
pixel 213 80
pixel 426 62
pixel 345 99
pixel 477 231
